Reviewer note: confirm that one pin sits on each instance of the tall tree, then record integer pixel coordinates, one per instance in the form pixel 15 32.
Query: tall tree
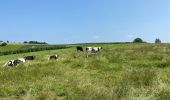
pixel 157 40
pixel 138 40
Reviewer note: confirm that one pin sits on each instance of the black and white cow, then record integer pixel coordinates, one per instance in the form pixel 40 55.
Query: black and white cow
pixel 30 58
pixel 9 63
pixel 79 48
pixel 20 60
pixel 93 49
pixel 100 48
pixel 55 57
pixel 14 62
pixel 90 50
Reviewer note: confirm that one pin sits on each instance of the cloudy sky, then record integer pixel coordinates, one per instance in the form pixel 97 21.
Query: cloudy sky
pixel 77 21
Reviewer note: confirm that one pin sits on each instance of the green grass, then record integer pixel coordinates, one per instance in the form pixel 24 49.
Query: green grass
pixel 25 48
pixel 119 72
pixel 10 47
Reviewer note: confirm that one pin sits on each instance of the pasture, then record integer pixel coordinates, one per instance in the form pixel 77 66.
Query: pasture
pixel 118 72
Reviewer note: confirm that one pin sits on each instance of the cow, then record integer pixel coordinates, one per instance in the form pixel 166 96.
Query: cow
pixel 100 48
pixel 30 58
pixel 19 60
pixel 14 62
pixel 10 63
pixel 90 50
pixel 93 49
pixel 79 48
pixel 53 57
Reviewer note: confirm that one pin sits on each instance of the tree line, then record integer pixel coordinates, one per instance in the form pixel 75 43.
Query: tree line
pixel 139 40
pixel 136 40
pixel 35 42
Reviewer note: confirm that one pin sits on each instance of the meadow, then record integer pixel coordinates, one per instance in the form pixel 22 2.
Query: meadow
pixel 119 72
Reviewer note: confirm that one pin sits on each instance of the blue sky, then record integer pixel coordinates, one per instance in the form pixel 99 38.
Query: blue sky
pixel 77 21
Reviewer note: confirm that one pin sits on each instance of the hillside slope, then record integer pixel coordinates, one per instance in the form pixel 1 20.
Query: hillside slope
pixel 120 71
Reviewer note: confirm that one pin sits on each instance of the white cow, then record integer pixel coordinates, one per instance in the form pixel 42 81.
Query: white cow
pixel 93 49
pixel 90 50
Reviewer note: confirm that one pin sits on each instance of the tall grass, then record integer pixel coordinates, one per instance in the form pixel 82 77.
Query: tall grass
pixel 119 72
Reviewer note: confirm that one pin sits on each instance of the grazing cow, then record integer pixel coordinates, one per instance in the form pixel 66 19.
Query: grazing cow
pixel 29 57
pixel 100 48
pixel 14 62
pixel 93 49
pixel 19 60
pixel 79 48
pixel 53 57
pixel 10 63
pixel 89 49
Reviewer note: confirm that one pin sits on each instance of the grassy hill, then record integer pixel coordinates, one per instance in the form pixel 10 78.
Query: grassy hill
pixel 119 72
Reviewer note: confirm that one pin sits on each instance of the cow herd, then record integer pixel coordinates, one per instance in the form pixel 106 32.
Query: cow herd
pixel 55 57
pixel 24 59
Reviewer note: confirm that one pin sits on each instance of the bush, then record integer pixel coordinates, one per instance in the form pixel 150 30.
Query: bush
pixel 3 44
pixel 138 40
pixel 25 42
pixel 157 40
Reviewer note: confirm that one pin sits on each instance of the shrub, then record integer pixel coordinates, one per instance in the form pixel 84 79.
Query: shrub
pixel 138 40
pixel 3 44
pixel 25 42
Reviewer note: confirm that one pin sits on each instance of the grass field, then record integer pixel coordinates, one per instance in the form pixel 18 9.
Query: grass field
pixel 11 47
pixel 25 48
pixel 118 72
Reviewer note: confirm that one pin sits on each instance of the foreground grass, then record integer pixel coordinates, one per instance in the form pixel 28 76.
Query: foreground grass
pixel 119 72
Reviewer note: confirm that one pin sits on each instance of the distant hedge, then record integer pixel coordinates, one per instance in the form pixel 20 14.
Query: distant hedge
pixel 35 42
pixel 32 50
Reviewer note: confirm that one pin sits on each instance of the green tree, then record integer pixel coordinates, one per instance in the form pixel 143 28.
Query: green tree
pixel 138 40
pixel 157 40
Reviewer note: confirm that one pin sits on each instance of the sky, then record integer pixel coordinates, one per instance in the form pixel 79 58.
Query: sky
pixel 82 21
